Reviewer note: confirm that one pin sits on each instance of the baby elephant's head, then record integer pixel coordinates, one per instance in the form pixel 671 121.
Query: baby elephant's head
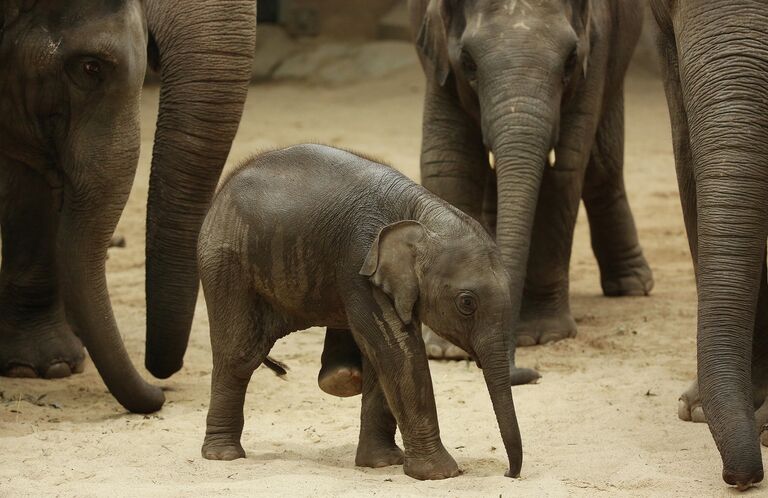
pixel 457 285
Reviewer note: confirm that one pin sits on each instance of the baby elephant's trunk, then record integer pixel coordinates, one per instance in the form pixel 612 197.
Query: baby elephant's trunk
pixel 493 358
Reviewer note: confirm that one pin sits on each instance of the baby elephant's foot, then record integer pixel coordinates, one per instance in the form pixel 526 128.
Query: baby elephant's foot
pixel 689 405
pixel 377 455
pixel 341 380
pixel 439 465
pixel 630 278
pixel 222 450
pixel 540 325
pixel 440 349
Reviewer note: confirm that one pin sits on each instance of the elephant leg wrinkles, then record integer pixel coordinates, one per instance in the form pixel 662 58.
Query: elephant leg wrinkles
pixel 376 447
pixel 244 328
pixel 403 371
pixel 35 338
pixel 623 268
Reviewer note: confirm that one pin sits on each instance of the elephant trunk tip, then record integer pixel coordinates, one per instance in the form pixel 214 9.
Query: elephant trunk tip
pixel 160 368
pixel 150 402
pixel 743 480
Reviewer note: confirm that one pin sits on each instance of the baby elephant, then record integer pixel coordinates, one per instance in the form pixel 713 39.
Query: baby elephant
pixel 315 236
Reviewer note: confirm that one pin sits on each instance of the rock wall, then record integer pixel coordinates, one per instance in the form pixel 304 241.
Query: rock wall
pixel 348 19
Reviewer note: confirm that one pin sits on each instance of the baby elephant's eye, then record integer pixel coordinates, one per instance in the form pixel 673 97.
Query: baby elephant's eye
pixel 466 303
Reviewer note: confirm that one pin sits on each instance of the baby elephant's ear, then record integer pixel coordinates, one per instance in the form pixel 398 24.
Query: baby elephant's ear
pixel 391 264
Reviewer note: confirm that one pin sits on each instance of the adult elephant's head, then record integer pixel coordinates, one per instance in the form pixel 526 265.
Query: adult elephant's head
pixel 511 63
pixel 69 104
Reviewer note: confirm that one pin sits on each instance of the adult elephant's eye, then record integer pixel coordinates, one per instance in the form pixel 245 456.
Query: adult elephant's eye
pixel 92 68
pixel 466 303
pixel 87 73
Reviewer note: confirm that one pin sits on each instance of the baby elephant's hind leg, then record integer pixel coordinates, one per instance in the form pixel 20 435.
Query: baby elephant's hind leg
pixel 341 367
pixel 377 447
pixel 239 345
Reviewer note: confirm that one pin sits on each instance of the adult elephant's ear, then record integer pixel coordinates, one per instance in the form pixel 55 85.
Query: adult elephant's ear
pixel 391 265
pixel 432 41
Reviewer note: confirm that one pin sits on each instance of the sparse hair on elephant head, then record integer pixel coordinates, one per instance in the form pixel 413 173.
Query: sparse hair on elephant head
pixel 391 264
pixel 449 27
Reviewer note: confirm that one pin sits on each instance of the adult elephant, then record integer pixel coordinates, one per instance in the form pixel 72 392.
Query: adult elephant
pixel 532 80
pixel 715 63
pixel 69 128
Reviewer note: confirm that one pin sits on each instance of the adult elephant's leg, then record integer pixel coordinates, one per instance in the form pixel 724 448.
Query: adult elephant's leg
pixel 376 447
pixel 454 165
pixel 35 339
pixel 623 268
pixel 341 367
pixel 454 162
pixel 204 50
pixel 545 315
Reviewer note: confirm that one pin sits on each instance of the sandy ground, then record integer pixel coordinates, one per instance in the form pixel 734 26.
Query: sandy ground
pixel 601 421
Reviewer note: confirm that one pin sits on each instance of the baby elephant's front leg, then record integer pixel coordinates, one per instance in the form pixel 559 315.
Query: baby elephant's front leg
pixel 397 354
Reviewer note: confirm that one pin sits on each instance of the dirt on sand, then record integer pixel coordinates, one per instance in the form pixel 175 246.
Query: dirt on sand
pixel 602 420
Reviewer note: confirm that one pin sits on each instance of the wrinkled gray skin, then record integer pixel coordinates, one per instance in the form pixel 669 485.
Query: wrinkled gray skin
pixel 522 78
pixel 369 254
pixel 715 64
pixel 70 84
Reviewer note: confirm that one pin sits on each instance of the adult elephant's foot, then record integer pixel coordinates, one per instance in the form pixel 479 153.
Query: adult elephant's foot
pixel 439 465
pixel 761 418
pixel 440 349
pixel 542 321
pixel 376 454
pixel 627 278
pixel 218 449
pixel 689 405
pixel 40 346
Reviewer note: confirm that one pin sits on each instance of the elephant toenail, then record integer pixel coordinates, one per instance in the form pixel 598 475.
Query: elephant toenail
pixel 79 367
pixel 58 370
pixel 21 371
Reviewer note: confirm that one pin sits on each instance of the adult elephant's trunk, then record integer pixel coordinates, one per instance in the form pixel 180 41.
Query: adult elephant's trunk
pixel 205 53
pixel 492 355
pixel 99 175
pixel 520 132
pixel 731 242
pixel 725 93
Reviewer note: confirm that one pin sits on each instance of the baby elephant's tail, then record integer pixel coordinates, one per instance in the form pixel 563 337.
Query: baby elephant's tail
pixel 280 369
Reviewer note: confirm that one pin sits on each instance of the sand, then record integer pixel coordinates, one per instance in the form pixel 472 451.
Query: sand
pixel 602 420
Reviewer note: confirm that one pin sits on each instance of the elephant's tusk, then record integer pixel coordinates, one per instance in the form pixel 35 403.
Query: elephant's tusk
pixel 552 158
pixel 491 159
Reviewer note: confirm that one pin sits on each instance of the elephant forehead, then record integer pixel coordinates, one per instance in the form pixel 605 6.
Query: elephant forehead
pixel 529 7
